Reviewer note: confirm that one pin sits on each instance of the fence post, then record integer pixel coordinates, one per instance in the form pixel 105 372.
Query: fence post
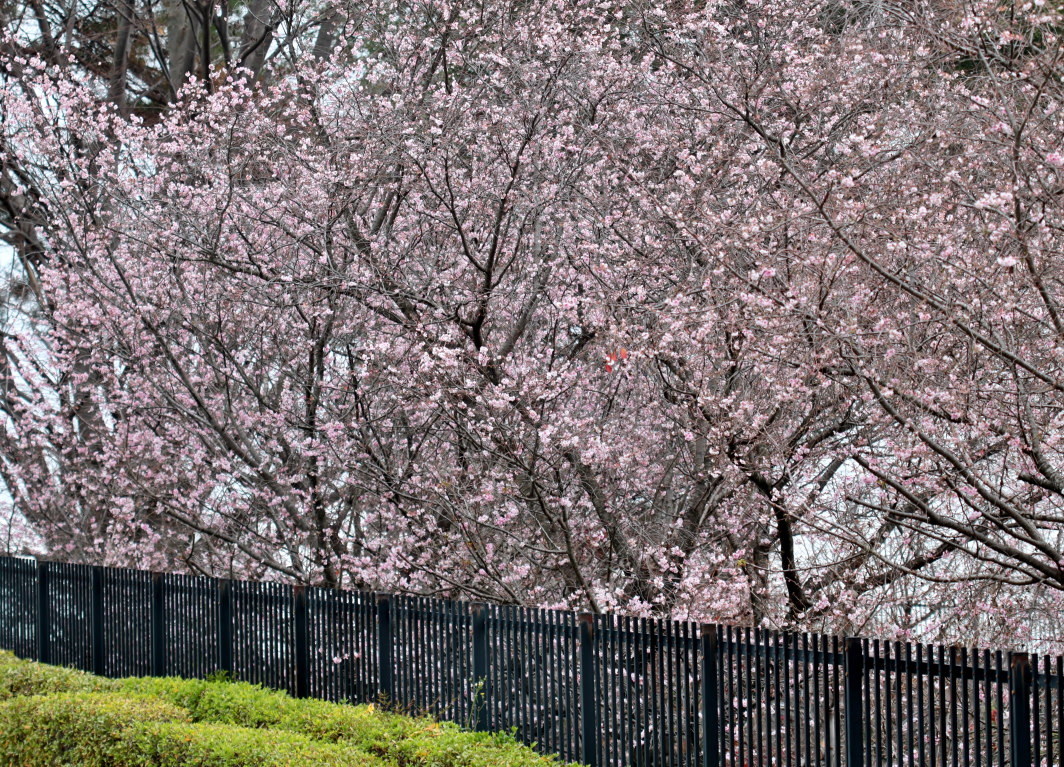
pixel 480 666
pixel 299 607
pixel 385 660
pixel 854 667
pixel 44 617
pixel 589 729
pixel 1019 709
pixel 225 626
pixel 710 722
pixel 98 651
pixel 158 627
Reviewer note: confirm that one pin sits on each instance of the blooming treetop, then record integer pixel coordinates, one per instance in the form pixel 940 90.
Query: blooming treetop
pixel 714 310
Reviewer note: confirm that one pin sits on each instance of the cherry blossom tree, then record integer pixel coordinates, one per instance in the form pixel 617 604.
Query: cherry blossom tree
pixel 729 311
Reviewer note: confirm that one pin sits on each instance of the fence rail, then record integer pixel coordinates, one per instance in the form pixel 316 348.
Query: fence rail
pixel 605 690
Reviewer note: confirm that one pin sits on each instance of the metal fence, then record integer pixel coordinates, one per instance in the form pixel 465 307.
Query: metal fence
pixel 602 690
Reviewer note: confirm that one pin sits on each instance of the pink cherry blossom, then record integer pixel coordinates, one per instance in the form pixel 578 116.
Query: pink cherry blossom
pixel 741 316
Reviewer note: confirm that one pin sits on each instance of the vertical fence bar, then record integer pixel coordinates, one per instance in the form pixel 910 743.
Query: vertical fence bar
pixel 158 626
pixel 899 719
pixel 710 723
pixel 880 719
pixel 1035 714
pixel 495 667
pixel 398 612
pixel 792 722
pixel 44 615
pixel 589 730
pixel 800 722
pixel 979 692
pixel 763 719
pixel 986 727
pixel 651 685
pixel 302 641
pixel 728 689
pixel 99 656
pixel 560 641
pixel 689 694
pixel 965 711
pixel 1060 705
pixel 480 666
pixel 1019 709
pixel 743 689
pixel 612 683
pixel 954 736
pixel 920 722
pixel 225 625
pixel 834 755
pixel 932 709
pixel 1048 705
pixel 385 661
pixel 787 755
pixel 852 702
pixel 807 672
pixel 776 671
pixel 676 676
pixel 818 665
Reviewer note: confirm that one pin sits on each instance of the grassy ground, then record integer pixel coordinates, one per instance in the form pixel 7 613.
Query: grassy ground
pixel 54 717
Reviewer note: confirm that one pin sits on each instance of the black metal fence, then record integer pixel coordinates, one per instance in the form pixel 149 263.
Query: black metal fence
pixel 603 690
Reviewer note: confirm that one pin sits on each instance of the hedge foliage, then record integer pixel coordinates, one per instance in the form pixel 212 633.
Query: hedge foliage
pixel 403 740
pixel 81 719
pixel 75 728
pixel 178 744
pixel 19 677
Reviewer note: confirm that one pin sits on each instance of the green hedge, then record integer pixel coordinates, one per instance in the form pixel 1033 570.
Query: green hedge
pixel 21 677
pixel 127 730
pixel 253 706
pixel 176 744
pixel 404 740
pixel 75 728
pixel 76 718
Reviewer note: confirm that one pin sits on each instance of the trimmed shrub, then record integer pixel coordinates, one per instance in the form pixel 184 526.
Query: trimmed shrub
pixel 128 730
pixel 23 677
pixel 181 692
pixel 449 746
pixel 177 744
pixel 250 705
pixel 78 728
pixel 170 721
pixel 407 741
